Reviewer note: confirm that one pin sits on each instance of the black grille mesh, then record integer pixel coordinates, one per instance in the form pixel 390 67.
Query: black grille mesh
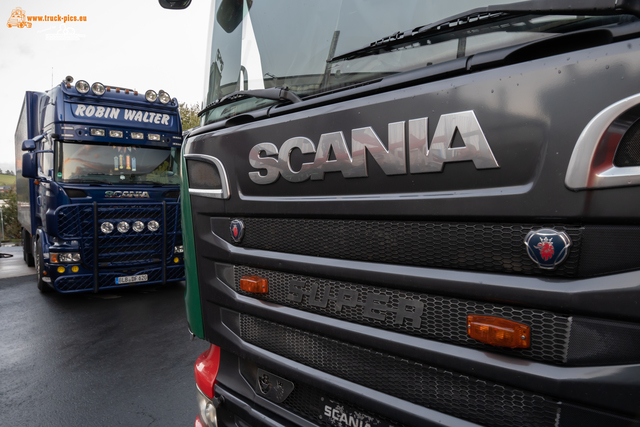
pixel 628 153
pixel 458 395
pixel 615 247
pixel 462 246
pixel 443 318
pixel 121 249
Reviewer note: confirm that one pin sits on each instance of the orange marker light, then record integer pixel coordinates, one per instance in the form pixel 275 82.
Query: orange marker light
pixel 254 284
pixel 498 332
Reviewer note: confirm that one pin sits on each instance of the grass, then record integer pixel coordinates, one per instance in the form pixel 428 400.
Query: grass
pixel 7 180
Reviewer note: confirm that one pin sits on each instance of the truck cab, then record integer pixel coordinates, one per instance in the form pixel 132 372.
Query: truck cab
pixel 417 213
pixel 98 187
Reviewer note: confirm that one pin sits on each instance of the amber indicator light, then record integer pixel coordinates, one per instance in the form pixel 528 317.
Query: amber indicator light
pixel 254 284
pixel 498 332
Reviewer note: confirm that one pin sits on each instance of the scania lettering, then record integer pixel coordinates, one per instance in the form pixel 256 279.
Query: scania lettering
pixel 416 213
pixel 98 190
pixel 422 157
pixel 127 194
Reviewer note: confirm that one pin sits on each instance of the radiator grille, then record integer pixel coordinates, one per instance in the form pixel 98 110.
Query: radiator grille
pixel 121 249
pixel 458 395
pixel 595 249
pixel 443 318
pixel 461 246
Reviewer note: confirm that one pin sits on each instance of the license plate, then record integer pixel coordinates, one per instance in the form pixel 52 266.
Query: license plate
pixel 340 415
pixel 132 279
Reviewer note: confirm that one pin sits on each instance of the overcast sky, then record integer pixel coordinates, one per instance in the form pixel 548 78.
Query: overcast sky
pixel 134 44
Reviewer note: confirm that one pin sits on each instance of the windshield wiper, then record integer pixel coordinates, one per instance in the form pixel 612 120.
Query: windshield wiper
pixel 484 14
pixel 275 93
pixel 154 183
pixel 85 181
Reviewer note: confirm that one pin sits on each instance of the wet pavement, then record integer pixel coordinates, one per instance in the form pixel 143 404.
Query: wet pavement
pixel 12 264
pixel 109 359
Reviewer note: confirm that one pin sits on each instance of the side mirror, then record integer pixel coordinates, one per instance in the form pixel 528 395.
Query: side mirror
pixel 28 145
pixel 231 13
pixel 175 4
pixel 29 165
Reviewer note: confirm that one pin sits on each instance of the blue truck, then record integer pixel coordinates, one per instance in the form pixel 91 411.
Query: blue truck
pixel 98 174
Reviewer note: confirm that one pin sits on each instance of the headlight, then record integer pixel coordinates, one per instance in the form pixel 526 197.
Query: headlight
pixel 97 88
pixel 123 226
pixel 153 137
pixel 207 411
pixel 106 227
pixel 97 132
pixel 138 226
pixel 151 95
pixel 137 135
pixel 115 133
pixel 153 226
pixel 178 249
pixel 164 97
pixel 82 86
pixel 65 257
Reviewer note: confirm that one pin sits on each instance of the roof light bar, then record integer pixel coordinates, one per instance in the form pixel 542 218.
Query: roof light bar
pixel 151 95
pixel 98 88
pixel 82 86
pixel 164 97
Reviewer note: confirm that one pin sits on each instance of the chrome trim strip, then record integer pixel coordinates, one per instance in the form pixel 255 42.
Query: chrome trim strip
pixel 457 194
pixel 580 172
pixel 223 193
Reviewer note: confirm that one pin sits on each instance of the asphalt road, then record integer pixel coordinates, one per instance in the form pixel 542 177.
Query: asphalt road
pixel 109 359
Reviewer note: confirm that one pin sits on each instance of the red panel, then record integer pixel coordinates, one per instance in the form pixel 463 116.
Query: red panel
pixel 206 370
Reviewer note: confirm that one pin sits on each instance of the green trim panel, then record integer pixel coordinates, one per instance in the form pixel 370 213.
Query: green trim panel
pixel 192 291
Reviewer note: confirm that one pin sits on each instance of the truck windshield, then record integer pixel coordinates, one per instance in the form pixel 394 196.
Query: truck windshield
pixel 258 45
pixel 117 164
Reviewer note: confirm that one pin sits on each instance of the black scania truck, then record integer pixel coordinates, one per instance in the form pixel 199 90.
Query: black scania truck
pixel 417 213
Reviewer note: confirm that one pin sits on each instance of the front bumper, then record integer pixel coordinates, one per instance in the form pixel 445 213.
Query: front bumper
pixel 69 282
